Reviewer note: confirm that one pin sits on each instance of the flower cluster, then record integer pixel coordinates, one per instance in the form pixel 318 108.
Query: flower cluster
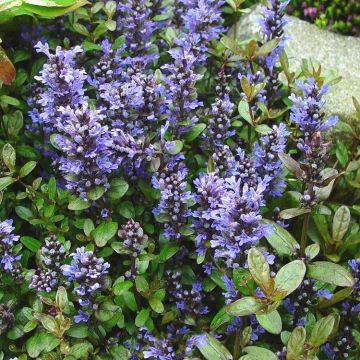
pixel 88 273
pixel 272 27
pixel 135 21
pixel 267 162
pixel 189 302
pixel 52 253
pixel 307 112
pixel 210 190
pixel 173 206
pixel 10 262
pixel 238 221
pixel 134 239
pixel 204 20
pixel 219 123
pixel 63 85
pixel 180 86
pixel 7 318
pixel 88 148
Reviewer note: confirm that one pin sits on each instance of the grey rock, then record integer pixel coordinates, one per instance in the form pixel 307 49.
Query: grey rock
pixel 337 54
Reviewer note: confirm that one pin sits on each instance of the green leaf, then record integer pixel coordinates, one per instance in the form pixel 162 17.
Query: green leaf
pixel 9 100
pixel 289 278
pixel 167 252
pixel 222 317
pixel 41 343
pixel 141 284
pixel 342 153
pixel 245 306
pixel 271 322
pixel 104 232
pixel 232 45
pixel 96 193
pixel 260 270
pixel 211 348
pixel 260 353
pixel 330 273
pixel 78 204
pixel 263 129
pixel 61 298
pixel 292 165
pixel 27 168
pixel 31 243
pixel 130 300
pixel 15 333
pixel 321 331
pixel 294 212
pixel 80 331
pixel 24 213
pixel 244 111
pixel 142 317
pixel 5 182
pixel 81 29
pixel 81 350
pixel 52 188
pixel 194 132
pixel 118 188
pixel 312 251
pixel 295 345
pixel 281 240
pixel 127 210
pixel 9 156
pixel 52 12
pixel 267 48
pixel 156 304
pixel 88 227
pixel 341 223
pixel 48 322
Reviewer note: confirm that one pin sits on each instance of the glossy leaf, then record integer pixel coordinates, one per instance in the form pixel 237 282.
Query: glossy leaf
pixel 330 273
pixel 281 240
pixel 271 322
pixel 289 278
pixel 341 223
pixel 245 306
pixel 212 349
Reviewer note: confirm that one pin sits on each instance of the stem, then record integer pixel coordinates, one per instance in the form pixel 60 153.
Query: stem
pixel 304 234
pixel 237 345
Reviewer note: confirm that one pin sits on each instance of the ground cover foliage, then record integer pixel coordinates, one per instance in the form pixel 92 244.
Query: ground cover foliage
pixel 171 192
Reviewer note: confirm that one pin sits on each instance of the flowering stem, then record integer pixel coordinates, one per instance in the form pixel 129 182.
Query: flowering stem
pixel 304 234
pixel 237 345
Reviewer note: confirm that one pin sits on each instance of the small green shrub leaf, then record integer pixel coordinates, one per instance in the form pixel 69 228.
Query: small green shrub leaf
pixel 330 273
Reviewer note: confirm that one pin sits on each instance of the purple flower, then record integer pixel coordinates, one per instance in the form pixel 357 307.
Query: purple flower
pixel 135 22
pixel 210 189
pixel 239 222
pixel 231 292
pixel 173 206
pixel 88 273
pixel 181 97
pixel 204 19
pixel 87 150
pixel 273 21
pixel 219 123
pixel 188 301
pixel 8 259
pixel 267 162
pixel 307 109
pixel 63 85
pixel 325 293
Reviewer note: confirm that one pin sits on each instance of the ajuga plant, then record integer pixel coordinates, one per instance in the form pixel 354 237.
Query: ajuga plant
pixel 172 192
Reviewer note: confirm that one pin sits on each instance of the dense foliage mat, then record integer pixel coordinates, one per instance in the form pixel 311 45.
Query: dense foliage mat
pixel 171 192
